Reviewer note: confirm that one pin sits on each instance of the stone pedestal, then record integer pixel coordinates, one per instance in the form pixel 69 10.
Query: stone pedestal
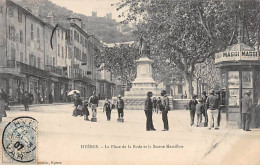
pixel 135 98
pixel 144 81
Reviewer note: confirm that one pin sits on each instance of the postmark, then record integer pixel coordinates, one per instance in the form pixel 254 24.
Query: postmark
pixel 19 140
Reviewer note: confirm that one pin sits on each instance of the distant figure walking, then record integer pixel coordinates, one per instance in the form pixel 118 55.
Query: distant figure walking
pixel 31 98
pixel 247 109
pixel 204 112
pixel 2 104
pixel 26 101
pixel 159 105
pixel 93 102
pixel 108 108
pixel 120 105
pixel 154 105
pixel 165 109
pixel 50 98
pixel 148 108
pixel 192 107
pixel 212 104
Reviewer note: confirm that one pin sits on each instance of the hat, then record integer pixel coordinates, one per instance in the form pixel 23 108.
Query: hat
pixel 248 93
pixel 148 93
pixel 204 92
pixel 194 96
pixel 119 96
pixel 211 91
pixel 163 92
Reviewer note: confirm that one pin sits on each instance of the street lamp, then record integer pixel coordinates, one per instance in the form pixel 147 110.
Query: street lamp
pixel 198 79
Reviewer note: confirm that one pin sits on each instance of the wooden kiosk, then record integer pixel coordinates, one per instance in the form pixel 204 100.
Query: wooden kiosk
pixel 239 72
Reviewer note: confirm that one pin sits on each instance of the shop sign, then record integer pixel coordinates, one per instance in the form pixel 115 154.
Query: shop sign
pixel 237 56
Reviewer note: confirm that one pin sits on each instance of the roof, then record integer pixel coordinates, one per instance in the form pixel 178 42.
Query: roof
pixel 239 47
pixel 11 3
pixel 79 29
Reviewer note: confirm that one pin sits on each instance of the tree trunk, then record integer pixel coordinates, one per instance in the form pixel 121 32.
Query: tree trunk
pixel 188 79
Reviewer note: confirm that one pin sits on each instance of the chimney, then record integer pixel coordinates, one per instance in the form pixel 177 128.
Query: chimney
pixel 35 9
pixel 74 19
pixel 51 17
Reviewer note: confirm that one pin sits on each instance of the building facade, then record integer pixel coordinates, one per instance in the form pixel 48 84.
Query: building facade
pixel 44 57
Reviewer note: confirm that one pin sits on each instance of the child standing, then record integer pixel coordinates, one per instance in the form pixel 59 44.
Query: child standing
pixel 85 110
pixel 107 107
pixel 199 110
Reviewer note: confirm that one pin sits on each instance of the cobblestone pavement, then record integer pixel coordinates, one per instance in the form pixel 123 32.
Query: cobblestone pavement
pixel 71 140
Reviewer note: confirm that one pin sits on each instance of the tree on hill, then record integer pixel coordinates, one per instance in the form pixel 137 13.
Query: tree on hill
pixel 105 29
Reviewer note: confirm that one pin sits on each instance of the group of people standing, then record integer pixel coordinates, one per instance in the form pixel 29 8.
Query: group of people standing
pixel 81 107
pixel 164 108
pixel 157 104
pixel 209 107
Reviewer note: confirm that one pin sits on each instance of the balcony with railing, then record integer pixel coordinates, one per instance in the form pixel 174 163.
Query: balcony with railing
pixel 31 70
pixel 55 70
pixel 11 63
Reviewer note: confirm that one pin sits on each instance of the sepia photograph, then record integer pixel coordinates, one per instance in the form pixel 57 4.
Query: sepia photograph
pixel 130 82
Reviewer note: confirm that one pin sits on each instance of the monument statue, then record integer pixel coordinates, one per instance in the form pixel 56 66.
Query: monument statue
pixel 144 49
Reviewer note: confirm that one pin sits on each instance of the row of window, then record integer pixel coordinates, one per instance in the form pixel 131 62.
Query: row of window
pixel 11 14
pixel 80 55
pixel 79 38
pixel 12 34
pixel 60 34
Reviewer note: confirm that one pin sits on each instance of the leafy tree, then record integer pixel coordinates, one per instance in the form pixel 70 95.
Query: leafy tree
pixel 119 60
pixel 206 72
pixel 188 32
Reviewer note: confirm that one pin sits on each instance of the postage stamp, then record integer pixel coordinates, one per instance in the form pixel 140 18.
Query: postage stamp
pixel 19 141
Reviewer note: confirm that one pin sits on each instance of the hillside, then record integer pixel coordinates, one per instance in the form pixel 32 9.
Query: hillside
pixel 105 29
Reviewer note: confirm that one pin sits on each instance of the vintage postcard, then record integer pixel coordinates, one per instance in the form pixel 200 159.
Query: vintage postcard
pixel 129 82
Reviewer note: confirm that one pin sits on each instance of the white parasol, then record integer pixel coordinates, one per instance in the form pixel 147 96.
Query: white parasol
pixel 72 92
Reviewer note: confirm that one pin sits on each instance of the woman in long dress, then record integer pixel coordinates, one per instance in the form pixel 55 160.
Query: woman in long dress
pixel 3 100
pixel 78 106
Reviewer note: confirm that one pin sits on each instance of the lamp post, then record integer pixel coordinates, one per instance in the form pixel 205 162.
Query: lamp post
pixel 198 79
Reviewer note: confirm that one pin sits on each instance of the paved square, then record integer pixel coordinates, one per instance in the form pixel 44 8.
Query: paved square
pixel 64 139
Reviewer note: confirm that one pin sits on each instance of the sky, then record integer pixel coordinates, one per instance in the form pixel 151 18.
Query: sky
pixel 87 6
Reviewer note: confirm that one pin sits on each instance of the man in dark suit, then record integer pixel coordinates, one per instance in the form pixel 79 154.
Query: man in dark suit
pixel 246 103
pixel 148 108
pixel 165 109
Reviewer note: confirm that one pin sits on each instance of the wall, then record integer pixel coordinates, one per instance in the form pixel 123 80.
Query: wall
pixel 3 33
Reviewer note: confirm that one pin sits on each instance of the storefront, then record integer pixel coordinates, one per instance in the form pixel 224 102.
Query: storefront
pixel 239 72
pixel 64 83
pixel 85 85
pixel 105 89
pixel 13 85
pixel 55 90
